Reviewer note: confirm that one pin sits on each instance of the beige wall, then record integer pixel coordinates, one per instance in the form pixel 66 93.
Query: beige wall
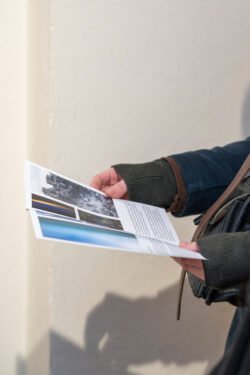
pixel 38 148
pixel 86 84
pixel 13 254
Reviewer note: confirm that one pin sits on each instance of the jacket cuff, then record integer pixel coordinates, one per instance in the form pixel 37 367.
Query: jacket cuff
pixel 181 197
pixel 228 258
pixel 152 183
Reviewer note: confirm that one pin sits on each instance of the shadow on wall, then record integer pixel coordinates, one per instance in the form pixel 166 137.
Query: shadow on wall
pixel 245 115
pixel 21 367
pixel 121 333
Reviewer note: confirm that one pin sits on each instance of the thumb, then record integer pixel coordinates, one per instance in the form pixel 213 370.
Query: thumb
pixel 117 191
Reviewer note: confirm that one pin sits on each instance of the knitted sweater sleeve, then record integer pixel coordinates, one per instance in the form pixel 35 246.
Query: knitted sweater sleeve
pixel 227 256
pixel 152 183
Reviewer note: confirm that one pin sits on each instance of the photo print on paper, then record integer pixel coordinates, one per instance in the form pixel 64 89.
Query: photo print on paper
pixel 45 204
pixel 100 220
pixel 55 216
pixel 50 184
pixel 77 195
pixel 86 234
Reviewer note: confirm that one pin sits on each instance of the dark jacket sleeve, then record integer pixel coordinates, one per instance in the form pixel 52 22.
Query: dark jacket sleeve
pixel 207 173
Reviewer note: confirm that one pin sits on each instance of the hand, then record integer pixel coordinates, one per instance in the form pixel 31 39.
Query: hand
pixel 194 266
pixel 110 183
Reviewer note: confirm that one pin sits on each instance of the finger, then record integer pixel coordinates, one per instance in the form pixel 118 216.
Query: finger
pixel 197 264
pixel 184 263
pixel 196 271
pixel 116 191
pixel 195 267
pixel 101 179
pixel 183 244
pixel 190 246
pixel 180 261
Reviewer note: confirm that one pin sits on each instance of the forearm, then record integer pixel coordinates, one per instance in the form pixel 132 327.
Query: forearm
pixel 228 258
pixel 152 183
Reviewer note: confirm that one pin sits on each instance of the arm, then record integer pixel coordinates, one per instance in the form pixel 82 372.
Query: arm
pixel 186 183
pixel 160 183
pixel 207 173
pixel 152 183
pixel 228 258
pixel 227 261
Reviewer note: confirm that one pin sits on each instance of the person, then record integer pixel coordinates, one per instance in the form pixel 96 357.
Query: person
pixel 236 360
pixel 186 184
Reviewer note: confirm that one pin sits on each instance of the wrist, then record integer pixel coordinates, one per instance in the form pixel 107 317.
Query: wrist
pixel 152 183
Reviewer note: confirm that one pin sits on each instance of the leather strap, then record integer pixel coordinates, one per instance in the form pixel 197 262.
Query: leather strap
pixel 208 215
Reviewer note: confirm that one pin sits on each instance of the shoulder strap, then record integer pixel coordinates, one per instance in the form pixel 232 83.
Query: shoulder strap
pixel 209 214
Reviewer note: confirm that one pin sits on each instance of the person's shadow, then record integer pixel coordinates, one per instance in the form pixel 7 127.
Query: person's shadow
pixel 121 333
pixel 245 115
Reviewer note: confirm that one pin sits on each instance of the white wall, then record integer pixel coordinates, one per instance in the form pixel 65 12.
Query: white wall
pixel 38 148
pixel 132 81
pixel 13 254
pixel 110 82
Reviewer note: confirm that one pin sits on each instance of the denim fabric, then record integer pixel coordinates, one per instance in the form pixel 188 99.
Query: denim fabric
pixel 207 173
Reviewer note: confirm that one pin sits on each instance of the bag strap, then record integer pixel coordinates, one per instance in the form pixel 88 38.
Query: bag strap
pixel 208 215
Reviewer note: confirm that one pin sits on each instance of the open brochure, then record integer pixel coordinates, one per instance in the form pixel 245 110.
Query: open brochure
pixel 65 210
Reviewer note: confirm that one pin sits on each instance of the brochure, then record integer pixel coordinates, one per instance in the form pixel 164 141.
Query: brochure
pixel 65 210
